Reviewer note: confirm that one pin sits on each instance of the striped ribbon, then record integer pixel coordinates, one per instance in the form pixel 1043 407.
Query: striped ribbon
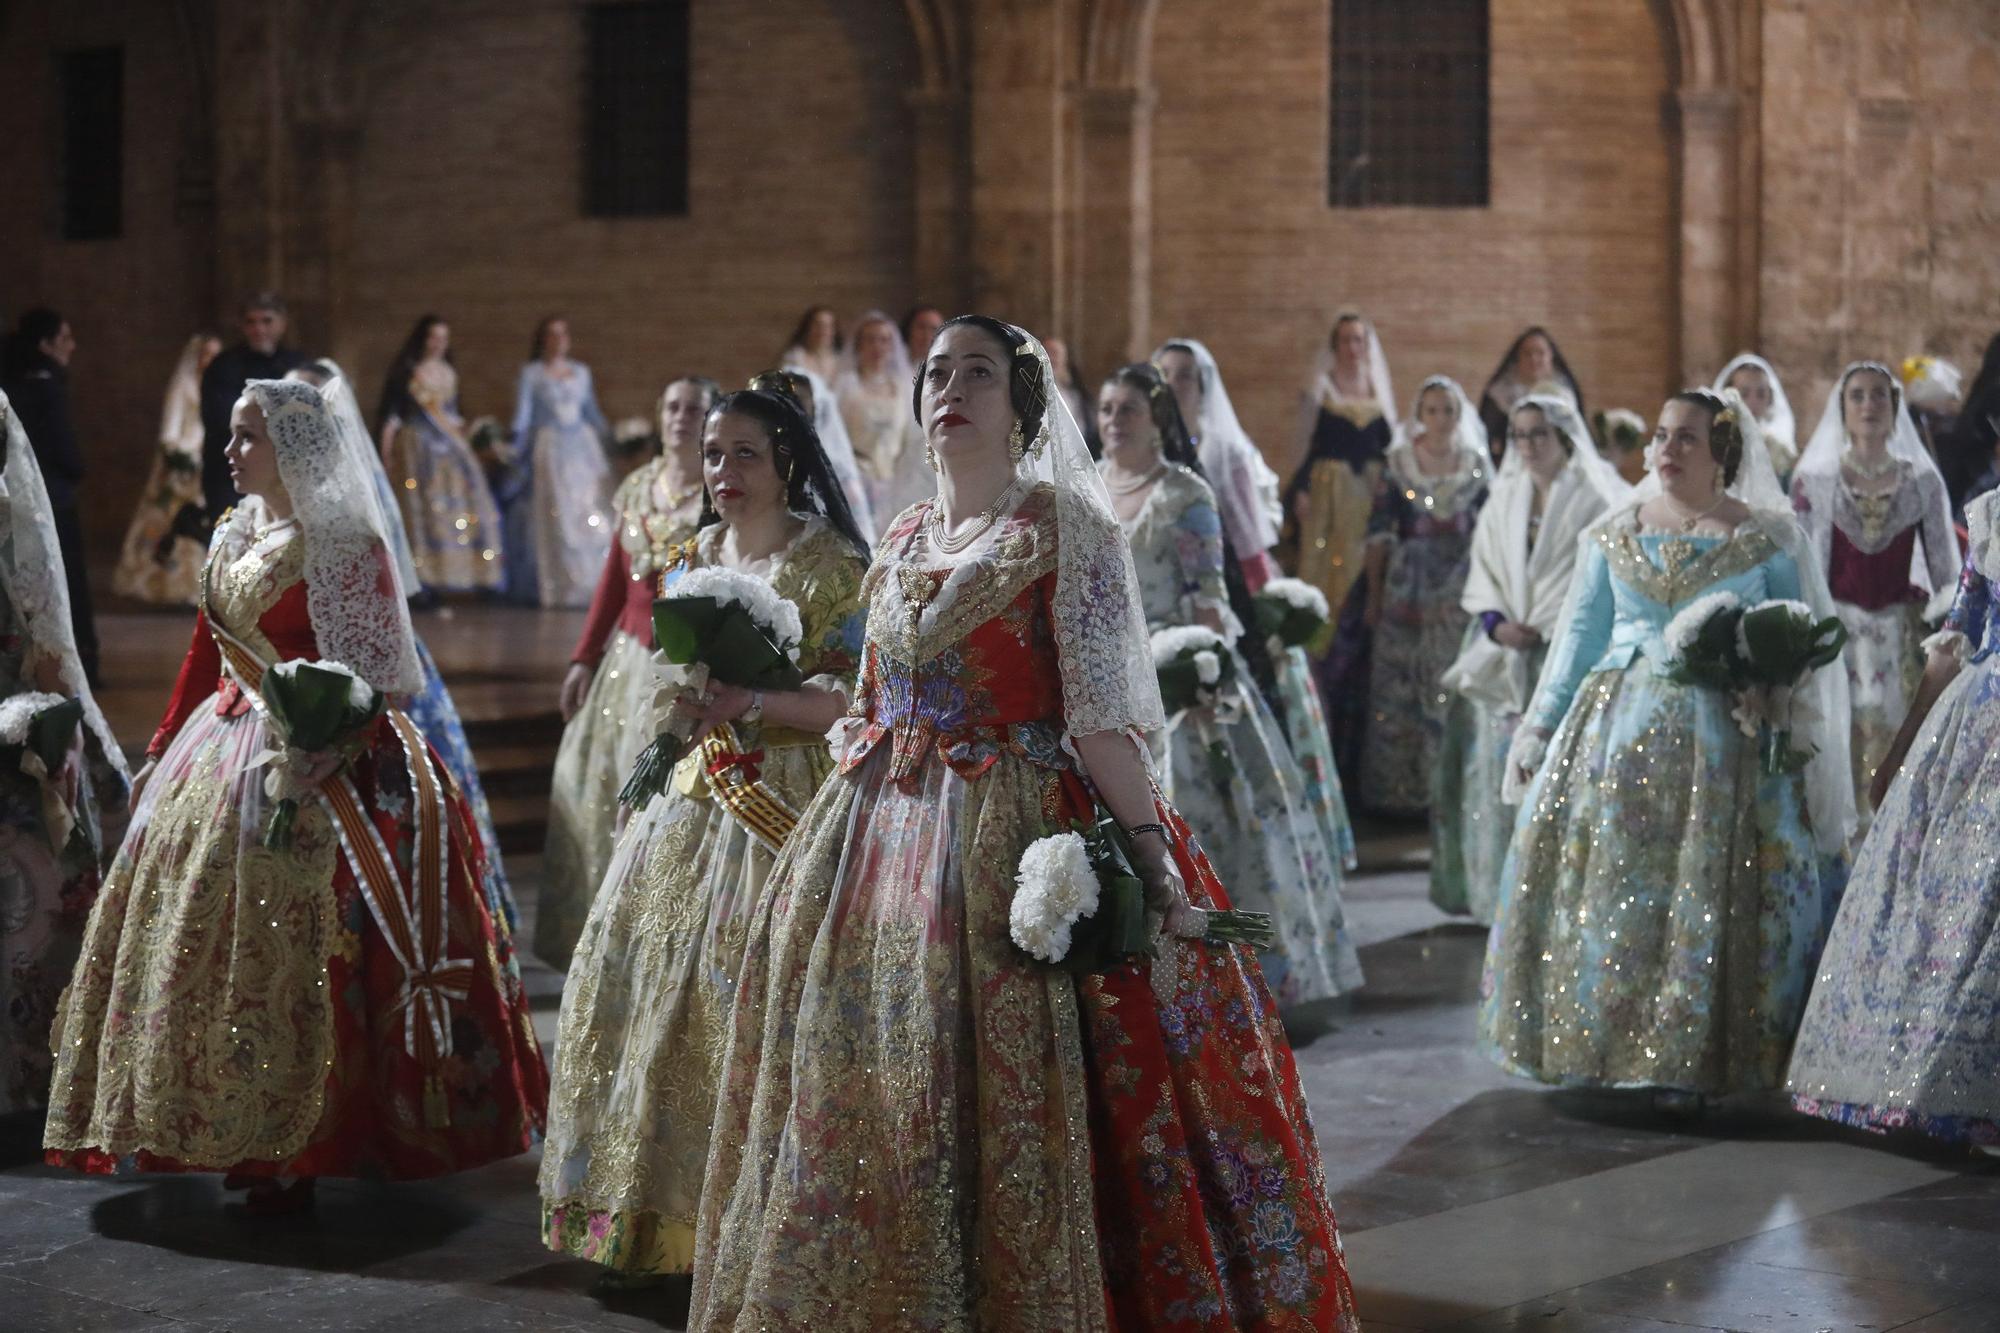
pixel 733 778
pixel 412 920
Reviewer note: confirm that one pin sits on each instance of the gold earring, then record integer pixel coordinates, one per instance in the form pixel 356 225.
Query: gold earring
pixel 930 455
pixel 1016 444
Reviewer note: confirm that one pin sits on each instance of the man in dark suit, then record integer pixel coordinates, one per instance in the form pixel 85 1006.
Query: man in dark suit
pixel 262 355
pixel 37 382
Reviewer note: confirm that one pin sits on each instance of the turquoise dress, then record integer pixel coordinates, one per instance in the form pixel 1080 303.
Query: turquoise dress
pixel 1664 902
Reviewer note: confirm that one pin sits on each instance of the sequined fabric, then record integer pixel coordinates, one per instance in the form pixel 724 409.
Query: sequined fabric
pixel 908 1133
pixel 235 1006
pixel 1901 1028
pixel 645 1007
pixel 1664 901
pixel 1257 824
pixel 448 510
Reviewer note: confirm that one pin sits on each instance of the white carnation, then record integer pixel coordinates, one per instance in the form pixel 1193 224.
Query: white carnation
pixel 16 713
pixel 1684 628
pixel 1207 667
pixel 1169 644
pixel 1297 593
pixel 775 615
pixel 359 692
pixel 1057 887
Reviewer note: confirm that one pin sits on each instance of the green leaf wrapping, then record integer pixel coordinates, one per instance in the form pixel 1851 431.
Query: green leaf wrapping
pixel 1294 626
pixel 312 709
pixel 1785 646
pixel 53 730
pixel 1711 661
pixel 1180 680
pixel 726 639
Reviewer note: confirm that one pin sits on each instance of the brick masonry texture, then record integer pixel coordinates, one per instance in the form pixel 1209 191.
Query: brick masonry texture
pixel 380 160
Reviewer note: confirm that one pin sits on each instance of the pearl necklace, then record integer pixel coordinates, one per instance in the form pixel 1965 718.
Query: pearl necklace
pixel 1159 470
pixel 948 544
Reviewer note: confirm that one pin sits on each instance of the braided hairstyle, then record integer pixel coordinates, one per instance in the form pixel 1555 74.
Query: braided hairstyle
pixel 1028 389
pixel 1177 446
pixel 1725 432
pixel 810 485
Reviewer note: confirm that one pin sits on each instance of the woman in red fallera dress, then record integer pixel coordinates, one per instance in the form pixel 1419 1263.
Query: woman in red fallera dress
pixel 336 1007
pixel 920 1126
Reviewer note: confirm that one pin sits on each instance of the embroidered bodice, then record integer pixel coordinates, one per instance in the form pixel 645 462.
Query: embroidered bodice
pixel 1869 540
pixel 960 657
pixel 434 388
pixel 1413 505
pixel 1351 430
pixel 1177 551
pixel 1630 583
pixel 258 593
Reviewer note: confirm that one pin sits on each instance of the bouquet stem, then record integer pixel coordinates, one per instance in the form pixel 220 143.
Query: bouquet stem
pixel 1253 930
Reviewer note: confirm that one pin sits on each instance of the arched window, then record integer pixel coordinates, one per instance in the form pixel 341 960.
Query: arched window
pixel 1409 104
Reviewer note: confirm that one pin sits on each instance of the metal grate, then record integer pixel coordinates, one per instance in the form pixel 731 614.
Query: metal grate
pixel 636 110
pixel 90 166
pixel 1410 104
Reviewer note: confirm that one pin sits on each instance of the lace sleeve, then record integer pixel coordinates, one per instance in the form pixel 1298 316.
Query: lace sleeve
pixel 1101 642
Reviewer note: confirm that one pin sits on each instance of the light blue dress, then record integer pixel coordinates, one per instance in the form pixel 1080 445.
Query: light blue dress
pixel 1664 902
pixel 1904 1022
pixel 556 493
pixel 1258 825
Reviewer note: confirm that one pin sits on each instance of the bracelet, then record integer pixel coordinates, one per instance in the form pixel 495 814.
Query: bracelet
pixel 1137 829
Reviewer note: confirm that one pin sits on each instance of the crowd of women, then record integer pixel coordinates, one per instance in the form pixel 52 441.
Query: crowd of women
pixel 827 1042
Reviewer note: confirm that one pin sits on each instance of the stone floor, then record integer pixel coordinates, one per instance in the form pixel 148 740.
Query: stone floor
pixel 1469 1201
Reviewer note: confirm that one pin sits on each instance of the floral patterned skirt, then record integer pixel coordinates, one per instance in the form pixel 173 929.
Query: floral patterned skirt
pixel 1905 1017
pixel 1312 746
pixel 644 1013
pixel 568 516
pixel 1470 826
pixel 599 748
pixel 140 573
pixel 237 1008
pixel 920 1127
pixel 448 509
pixel 1664 904
pixel 1416 639
pixel 1234 778
pixel 1885 659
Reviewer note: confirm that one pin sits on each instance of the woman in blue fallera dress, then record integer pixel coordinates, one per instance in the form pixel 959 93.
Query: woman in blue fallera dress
pixel 1904 1020
pixel 1664 898
pixel 557 486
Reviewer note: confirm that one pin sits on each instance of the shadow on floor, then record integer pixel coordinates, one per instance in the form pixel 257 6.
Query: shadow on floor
pixel 350 1227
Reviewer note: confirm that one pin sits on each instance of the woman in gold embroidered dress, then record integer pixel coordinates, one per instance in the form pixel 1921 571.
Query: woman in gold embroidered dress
pixel 918 1125
pixel 340 1006
pixel 604 694
pixel 647 1000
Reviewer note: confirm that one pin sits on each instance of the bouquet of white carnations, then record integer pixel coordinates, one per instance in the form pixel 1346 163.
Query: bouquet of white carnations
pixel 1290 613
pixel 1760 655
pixel 1080 905
pixel 314 708
pixel 713 625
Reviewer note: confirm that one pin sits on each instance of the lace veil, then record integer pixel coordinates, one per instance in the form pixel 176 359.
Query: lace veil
pixel 896 370
pixel 353 593
pixel 1107 663
pixel 839 446
pixel 31 565
pixel 1823 455
pixel 1468 436
pixel 1320 385
pixel 338 391
pixel 1245 486
pixel 1781 428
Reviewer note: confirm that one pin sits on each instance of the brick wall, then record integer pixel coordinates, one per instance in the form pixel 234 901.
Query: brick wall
pixel 467 194
pixel 1248 255
pixel 1881 221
